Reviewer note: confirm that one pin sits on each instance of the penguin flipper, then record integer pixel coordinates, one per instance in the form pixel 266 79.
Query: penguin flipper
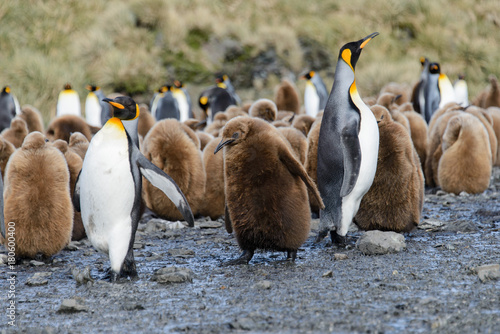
pixel 165 183
pixel 352 159
pixel 76 193
pixel 227 220
pixel 295 168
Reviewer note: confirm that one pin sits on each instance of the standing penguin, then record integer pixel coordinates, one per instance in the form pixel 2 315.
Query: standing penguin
pixel 347 147
pixel 431 92
pixel 97 112
pixel 184 99
pixel 461 91
pixel 7 108
pixel 315 95
pixel 108 189
pixel 223 81
pixel 213 100
pixel 265 185
pixel 68 102
pixel 167 106
pixel 417 97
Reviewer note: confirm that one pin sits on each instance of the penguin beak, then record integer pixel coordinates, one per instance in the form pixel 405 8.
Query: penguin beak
pixel 222 144
pixel 113 103
pixel 367 39
pixel 201 123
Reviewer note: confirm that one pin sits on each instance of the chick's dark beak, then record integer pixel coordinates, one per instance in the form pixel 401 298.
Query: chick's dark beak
pixel 222 144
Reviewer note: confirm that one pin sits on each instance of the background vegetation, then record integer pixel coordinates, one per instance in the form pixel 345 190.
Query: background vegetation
pixel 134 46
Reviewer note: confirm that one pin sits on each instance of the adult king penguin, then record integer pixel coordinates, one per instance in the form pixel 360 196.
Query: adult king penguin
pixel 108 189
pixel 315 94
pixel 97 112
pixel 347 147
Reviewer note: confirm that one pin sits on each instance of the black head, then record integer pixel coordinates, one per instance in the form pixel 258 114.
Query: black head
pixel 220 78
pixel 124 107
pixel 351 51
pixel 67 86
pixel 434 68
pixel 6 89
pixel 92 88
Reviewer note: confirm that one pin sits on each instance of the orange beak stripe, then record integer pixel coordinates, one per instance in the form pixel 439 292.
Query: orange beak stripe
pixel 117 105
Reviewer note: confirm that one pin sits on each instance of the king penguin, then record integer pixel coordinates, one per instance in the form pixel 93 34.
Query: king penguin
pixel 7 108
pixel 461 91
pixel 347 147
pixel 97 112
pixel 223 81
pixel 68 102
pixel 167 106
pixel 108 189
pixel 184 99
pixel 315 94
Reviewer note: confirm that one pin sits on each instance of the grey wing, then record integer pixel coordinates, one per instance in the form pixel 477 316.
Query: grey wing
pixel 76 193
pixel 162 181
pixel 352 158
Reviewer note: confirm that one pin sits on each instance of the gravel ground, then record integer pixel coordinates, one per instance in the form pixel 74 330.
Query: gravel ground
pixel 431 286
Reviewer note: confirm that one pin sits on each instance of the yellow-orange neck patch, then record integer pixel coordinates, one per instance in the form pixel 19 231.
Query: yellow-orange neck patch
pixel 115 123
pixel 346 56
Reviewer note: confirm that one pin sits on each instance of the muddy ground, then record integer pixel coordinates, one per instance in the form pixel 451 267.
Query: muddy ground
pixel 429 287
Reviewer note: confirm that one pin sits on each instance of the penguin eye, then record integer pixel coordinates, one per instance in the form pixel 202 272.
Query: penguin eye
pixel 235 135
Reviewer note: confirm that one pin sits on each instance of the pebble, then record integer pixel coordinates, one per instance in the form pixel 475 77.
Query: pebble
pixel 81 276
pixel 378 242
pixel 3 259
pixel 173 275
pixel 243 323
pixel 328 273
pixel 36 263
pixel 71 306
pixel 38 279
pixel 181 252
pixel 208 224
pixel 340 256
pixel 263 285
pixel 488 272
pixel 72 246
pixel 138 245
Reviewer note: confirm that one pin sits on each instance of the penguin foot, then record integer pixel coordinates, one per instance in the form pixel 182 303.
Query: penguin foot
pixel 291 255
pixel 321 236
pixel 338 240
pixel 244 258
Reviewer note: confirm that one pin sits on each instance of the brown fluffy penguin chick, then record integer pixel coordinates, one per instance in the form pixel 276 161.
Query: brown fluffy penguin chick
pixel 79 144
pixel 74 162
pixel 298 142
pixel 174 148
pixel 418 133
pixel 37 198
pixel 286 97
pixel 451 106
pixel 266 194
pixel 61 127
pixel 204 138
pixel 234 111
pixel 281 124
pixel 16 133
pixel 490 96
pixel 303 123
pixel 33 118
pixel 214 200
pixel 466 161
pixel 434 150
pixel 487 121
pixel 264 109
pixel 311 164
pixel 387 100
pixel 398 89
pixel 494 112
pixel 286 116
pixel 6 150
pixel 215 128
pixel 396 197
pixel 146 120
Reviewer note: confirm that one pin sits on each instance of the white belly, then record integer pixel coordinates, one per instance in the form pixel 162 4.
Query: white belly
pixel 183 105
pixel 369 142
pixel 107 194
pixel 93 110
pixel 311 100
pixel 68 103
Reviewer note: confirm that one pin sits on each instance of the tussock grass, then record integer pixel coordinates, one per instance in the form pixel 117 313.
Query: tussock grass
pixel 134 46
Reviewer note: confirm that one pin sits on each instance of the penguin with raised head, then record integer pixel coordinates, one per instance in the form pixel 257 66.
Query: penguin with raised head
pixel 347 147
pixel 7 108
pixel 97 112
pixel 315 94
pixel 431 92
pixel 418 96
pixel 68 102
pixel 108 189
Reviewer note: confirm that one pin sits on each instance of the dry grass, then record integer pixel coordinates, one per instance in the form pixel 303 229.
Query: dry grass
pixel 133 46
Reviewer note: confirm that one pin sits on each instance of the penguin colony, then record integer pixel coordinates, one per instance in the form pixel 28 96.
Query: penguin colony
pixel 265 166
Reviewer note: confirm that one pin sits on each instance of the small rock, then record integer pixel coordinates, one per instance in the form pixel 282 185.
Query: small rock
pixel 441 193
pixel 263 285
pixel 138 245
pixel 132 307
pixel 173 275
pixel 208 224
pixel 72 246
pixel 431 224
pixel 378 242
pixel 3 259
pixel 340 256
pixel 71 306
pixel 328 273
pixel 461 226
pixel 36 263
pixel 181 252
pixel 243 323
pixel 81 276
pixel 464 194
pixel 38 279
pixel 488 272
